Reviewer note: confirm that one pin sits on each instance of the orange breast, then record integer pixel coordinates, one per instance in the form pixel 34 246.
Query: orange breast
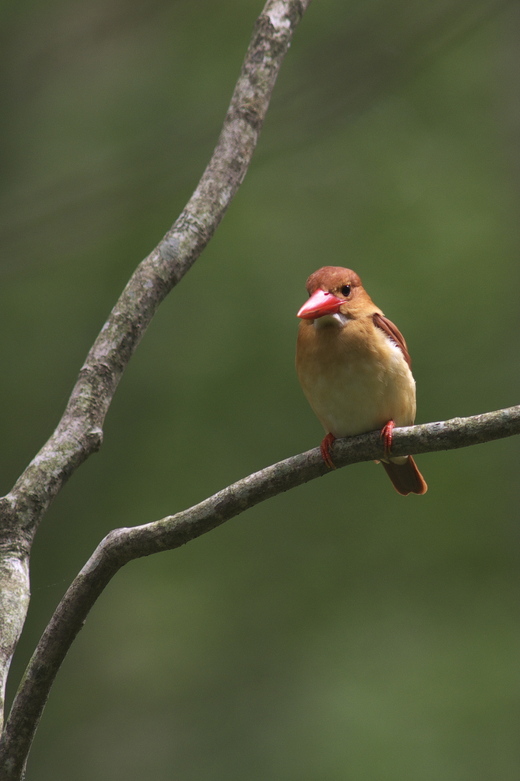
pixel 354 377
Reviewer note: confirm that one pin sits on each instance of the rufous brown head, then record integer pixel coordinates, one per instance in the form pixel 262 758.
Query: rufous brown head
pixel 334 289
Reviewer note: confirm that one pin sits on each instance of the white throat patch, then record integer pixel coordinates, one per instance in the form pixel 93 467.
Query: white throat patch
pixel 336 319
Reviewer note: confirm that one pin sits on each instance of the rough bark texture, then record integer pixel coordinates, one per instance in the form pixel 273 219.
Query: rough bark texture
pixel 79 432
pixel 122 545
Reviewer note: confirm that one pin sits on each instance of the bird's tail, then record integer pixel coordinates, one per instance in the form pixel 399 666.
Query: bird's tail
pixel 405 477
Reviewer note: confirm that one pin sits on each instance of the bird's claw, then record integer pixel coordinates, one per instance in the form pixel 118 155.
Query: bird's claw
pixel 325 450
pixel 387 435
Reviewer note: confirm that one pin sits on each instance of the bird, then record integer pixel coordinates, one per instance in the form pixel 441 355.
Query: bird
pixel 355 370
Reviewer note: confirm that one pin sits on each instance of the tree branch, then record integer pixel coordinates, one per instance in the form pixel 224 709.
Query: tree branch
pixel 79 432
pixel 123 545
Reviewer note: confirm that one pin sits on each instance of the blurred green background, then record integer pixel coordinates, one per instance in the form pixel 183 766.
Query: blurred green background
pixel 337 632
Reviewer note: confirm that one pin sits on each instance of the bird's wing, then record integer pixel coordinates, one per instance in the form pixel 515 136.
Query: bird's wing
pixel 394 333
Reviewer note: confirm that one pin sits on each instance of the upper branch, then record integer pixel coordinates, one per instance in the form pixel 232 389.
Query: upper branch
pixel 123 545
pixel 79 432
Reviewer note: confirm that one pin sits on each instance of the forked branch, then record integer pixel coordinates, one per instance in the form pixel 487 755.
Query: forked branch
pixel 79 432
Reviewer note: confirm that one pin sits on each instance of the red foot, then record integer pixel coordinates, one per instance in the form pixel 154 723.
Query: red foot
pixel 325 450
pixel 387 435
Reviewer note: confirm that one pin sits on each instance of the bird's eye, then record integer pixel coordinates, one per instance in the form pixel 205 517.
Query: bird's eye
pixel 345 290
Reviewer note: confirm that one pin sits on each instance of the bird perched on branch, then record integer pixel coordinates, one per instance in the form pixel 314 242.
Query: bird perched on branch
pixel 354 368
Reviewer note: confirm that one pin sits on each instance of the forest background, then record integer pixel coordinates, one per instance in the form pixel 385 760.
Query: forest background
pixel 337 631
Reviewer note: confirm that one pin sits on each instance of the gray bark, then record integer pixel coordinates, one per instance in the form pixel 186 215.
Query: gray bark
pixel 80 430
pixel 123 545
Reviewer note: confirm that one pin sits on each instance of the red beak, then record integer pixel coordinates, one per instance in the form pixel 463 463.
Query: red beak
pixel 319 304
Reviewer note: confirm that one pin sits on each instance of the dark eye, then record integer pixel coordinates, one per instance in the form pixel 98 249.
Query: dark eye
pixel 345 290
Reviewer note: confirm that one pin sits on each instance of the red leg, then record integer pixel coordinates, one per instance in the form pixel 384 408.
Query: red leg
pixel 387 435
pixel 325 450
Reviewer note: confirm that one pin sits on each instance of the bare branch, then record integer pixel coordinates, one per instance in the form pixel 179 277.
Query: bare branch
pixel 123 545
pixel 79 432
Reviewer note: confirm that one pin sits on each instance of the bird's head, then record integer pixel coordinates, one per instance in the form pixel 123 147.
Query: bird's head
pixel 335 291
